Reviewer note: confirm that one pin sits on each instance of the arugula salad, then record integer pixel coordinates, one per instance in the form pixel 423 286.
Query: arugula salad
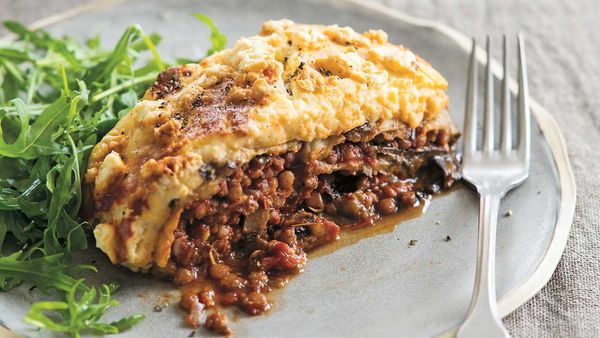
pixel 58 97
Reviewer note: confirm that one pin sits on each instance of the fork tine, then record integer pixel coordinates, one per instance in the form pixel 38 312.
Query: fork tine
pixel 506 133
pixel 524 114
pixel 488 130
pixel 470 125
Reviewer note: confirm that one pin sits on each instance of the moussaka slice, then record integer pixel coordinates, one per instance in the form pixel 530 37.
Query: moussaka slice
pixel 230 170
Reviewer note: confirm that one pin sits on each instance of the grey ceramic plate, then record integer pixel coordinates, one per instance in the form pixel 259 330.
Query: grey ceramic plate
pixel 379 286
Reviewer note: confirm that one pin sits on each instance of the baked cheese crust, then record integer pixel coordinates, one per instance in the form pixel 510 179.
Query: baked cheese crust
pixel 291 83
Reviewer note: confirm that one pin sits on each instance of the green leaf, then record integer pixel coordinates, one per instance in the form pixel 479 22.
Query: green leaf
pixel 126 323
pixel 72 232
pixel 32 201
pixel 3 232
pixel 152 48
pixel 36 315
pixel 80 313
pixel 14 168
pixel 33 84
pixel 37 138
pixel 217 39
pixel 58 97
pixel 142 45
pixel 99 72
pixel 18 227
pixel 13 70
pixel 9 199
pixel 65 189
pixel 5 281
pixel 46 272
pixel 14 54
pixel 36 37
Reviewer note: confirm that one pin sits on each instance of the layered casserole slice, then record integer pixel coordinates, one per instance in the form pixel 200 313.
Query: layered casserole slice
pixel 230 170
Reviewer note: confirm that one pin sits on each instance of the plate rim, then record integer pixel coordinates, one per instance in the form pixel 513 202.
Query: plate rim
pixel 542 274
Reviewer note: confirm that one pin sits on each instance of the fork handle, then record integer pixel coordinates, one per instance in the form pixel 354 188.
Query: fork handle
pixel 483 319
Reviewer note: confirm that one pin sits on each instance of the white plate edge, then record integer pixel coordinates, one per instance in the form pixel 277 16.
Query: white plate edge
pixel 520 294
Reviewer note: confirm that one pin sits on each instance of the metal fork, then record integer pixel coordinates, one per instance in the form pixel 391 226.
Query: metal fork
pixel 493 171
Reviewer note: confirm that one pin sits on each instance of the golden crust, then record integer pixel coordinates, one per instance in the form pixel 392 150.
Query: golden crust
pixel 288 84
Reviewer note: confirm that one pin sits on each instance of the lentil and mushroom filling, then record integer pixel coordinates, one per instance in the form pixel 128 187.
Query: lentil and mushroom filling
pixel 265 215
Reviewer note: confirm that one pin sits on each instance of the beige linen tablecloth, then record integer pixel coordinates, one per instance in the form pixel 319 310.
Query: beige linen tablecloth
pixel 563 46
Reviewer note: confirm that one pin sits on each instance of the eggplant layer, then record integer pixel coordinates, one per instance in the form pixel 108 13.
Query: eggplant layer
pixel 263 216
